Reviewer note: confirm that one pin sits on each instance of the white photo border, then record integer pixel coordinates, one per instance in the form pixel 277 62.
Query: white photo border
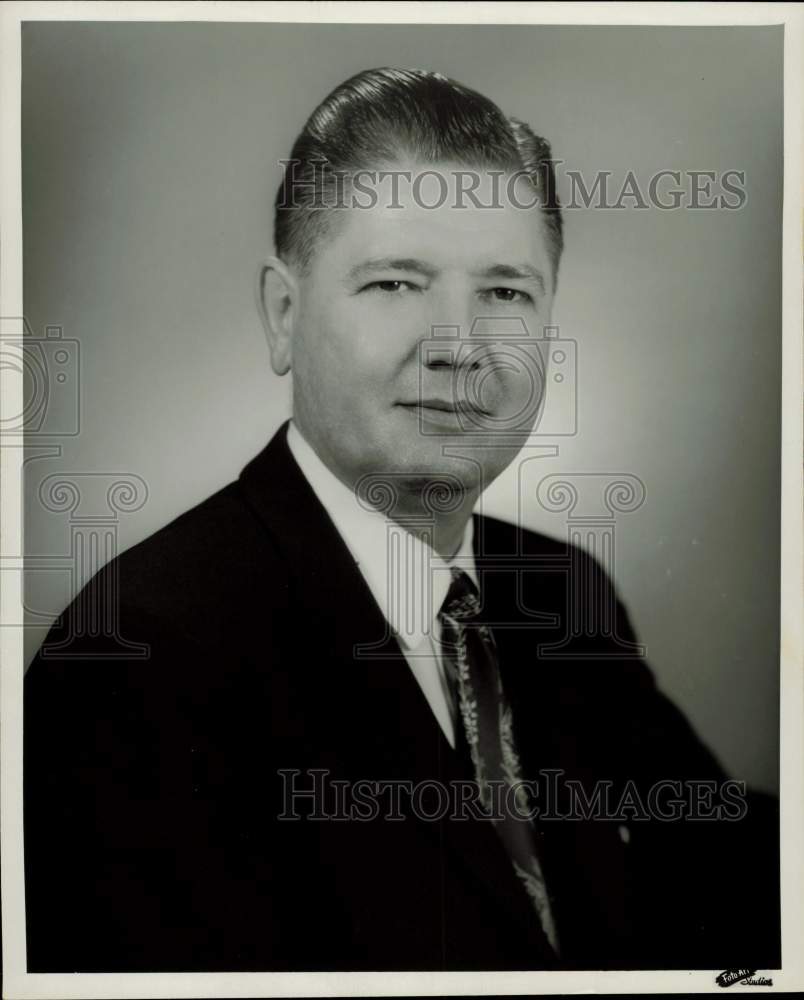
pixel 17 982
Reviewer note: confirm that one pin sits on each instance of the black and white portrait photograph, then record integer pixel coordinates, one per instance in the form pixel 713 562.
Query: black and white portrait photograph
pixel 401 542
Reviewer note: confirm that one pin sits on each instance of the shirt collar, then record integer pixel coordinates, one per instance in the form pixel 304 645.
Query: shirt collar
pixel 407 577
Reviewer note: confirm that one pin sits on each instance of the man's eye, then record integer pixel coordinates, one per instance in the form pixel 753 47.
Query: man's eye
pixel 391 287
pixel 509 295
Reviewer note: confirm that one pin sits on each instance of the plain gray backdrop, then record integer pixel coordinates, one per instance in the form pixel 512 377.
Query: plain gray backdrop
pixel 150 162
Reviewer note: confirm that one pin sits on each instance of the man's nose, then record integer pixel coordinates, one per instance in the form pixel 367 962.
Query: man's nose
pixel 449 338
pixel 454 345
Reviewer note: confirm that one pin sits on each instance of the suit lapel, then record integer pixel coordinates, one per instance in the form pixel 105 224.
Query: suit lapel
pixel 547 699
pixel 367 710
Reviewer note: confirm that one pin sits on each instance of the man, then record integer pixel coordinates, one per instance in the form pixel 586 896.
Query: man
pixel 336 642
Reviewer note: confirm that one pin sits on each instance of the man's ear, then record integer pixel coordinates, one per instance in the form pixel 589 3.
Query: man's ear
pixel 277 304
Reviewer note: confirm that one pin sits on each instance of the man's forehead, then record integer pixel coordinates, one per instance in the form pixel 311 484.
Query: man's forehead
pixel 418 217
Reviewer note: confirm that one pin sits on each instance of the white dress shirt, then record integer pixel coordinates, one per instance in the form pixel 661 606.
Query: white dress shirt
pixel 407 578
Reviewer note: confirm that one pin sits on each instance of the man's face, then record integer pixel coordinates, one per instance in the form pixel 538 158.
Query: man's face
pixel 414 352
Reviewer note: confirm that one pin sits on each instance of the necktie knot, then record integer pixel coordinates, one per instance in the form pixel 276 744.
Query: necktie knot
pixel 462 602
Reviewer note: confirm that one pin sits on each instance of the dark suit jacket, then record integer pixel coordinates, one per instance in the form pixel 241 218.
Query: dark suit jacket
pixel 153 785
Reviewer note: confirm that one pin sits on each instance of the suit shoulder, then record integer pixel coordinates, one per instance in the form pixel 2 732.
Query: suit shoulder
pixel 560 579
pixel 201 572
pixel 495 537
pixel 499 537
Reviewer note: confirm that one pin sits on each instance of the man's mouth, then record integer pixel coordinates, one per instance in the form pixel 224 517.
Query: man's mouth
pixel 441 405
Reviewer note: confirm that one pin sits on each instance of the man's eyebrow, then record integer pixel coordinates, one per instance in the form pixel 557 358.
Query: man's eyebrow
pixel 517 271
pixel 374 264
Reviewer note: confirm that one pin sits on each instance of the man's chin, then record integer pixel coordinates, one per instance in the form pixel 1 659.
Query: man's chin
pixel 466 463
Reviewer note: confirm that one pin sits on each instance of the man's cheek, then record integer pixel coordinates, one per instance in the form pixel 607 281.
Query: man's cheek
pixel 516 400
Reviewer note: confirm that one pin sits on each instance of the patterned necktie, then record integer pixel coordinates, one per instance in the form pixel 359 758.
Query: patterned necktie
pixel 470 659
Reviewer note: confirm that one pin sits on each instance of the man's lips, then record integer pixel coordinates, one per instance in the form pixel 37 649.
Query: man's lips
pixel 445 406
